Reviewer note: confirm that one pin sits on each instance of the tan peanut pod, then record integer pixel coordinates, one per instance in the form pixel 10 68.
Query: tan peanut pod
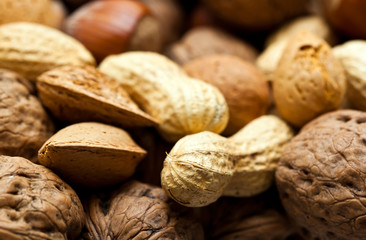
pixel 202 167
pixel 91 154
pixel 31 49
pixel 181 104
pixel 352 55
pixel 198 168
pixel 308 81
pixel 261 143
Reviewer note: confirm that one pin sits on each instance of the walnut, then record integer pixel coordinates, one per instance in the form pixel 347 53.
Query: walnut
pixel 24 124
pixel 321 177
pixel 36 204
pixel 138 211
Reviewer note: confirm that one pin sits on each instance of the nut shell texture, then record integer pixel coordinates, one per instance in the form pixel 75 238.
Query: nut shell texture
pixel 76 94
pixel 24 124
pixel 352 55
pixel 309 80
pixel 91 154
pixel 36 204
pixel 138 211
pixel 181 104
pixel 321 177
pixel 31 49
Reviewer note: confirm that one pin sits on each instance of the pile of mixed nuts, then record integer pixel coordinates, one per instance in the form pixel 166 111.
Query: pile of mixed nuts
pixel 186 120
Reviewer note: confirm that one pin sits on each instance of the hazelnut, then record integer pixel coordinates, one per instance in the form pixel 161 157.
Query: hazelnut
pixel 114 26
pixel 243 86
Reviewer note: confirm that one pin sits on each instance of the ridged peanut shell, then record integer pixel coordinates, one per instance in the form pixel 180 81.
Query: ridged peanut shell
pixel 91 154
pixel 77 94
pixel 309 80
pixel 260 143
pixel 352 55
pixel 198 168
pixel 31 49
pixel 181 104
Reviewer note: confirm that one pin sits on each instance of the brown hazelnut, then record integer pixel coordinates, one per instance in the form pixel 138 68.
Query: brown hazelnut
pixel 36 204
pixel 258 14
pixel 347 16
pixel 114 26
pixel 245 89
pixel 321 177
pixel 203 41
pixel 24 124
pixel 138 211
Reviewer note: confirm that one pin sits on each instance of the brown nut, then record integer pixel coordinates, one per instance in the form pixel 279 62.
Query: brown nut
pixel 138 211
pixel 24 124
pixel 268 60
pixel 203 166
pixel 352 55
pixel 91 154
pixel 243 86
pixel 31 49
pixel 77 94
pixel 203 41
pixel 36 204
pixel 321 177
pixel 256 15
pixel 309 80
pixel 114 26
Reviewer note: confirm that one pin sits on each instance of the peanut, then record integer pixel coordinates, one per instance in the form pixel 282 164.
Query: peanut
pixel 204 166
pixel 182 105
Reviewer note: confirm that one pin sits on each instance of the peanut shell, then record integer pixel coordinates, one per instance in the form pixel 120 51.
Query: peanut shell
pixel 77 94
pixel 31 49
pixel 91 154
pixel 182 105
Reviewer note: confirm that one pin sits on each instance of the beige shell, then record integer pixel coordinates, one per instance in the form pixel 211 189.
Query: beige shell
pixel 181 104
pixel 309 80
pixel 352 55
pixel 267 61
pixel 77 94
pixel 261 143
pixel 31 49
pixel 204 166
pixel 91 154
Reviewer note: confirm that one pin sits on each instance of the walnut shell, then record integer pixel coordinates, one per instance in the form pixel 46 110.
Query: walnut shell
pixel 321 177
pixel 138 211
pixel 91 154
pixel 352 55
pixel 243 86
pixel 309 80
pixel 77 94
pixel 36 204
pixel 24 124
pixel 203 41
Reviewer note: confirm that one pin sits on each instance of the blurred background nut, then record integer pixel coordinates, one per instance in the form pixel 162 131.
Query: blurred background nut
pixel 203 166
pixel 36 204
pixel 243 86
pixel 45 12
pixel 31 49
pixel 182 105
pixel 321 177
pixel 76 94
pixel 24 124
pixel 202 41
pixel 138 211
pixel 352 55
pixel 268 60
pixel 309 80
pixel 346 16
pixel 115 26
pixel 91 154
pixel 256 15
